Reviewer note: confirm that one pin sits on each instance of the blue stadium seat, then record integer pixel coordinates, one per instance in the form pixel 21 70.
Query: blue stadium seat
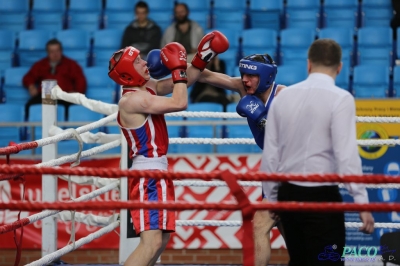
pixel 15 22
pixel 120 5
pixel 376 13
pixel 237 131
pixel 78 113
pixel 234 19
pixel 344 37
pixel 200 131
pixel 84 21
pixel 201 17
pixel 117 20
pixel 7 46
pixel 105 43
pixel 230 5
pixel 87 6
pixel 340 13
pixel 99 86
pixel 13 87
pixel 32 46
pixel 290 74
pixel 47 21
pixel 197 5
pixel 49 6
pixel 343 79
pixel 294 45
pixel 14 6
pixel 370 81
pixel 260 41
pixel 76 44
pixel 375 45
pixel 10 113
pixel 160 5
pixel 266 14
pixel 396 81
pixel 162 18
pixel 174 131
pixel 303 14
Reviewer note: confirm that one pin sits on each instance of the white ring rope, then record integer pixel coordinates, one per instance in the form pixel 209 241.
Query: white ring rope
pixel 193 183
pixel 88 219
pixel 88 137
pixel 88 180
pixel 239 223
pixel 80 130
pixel 86 153
pixel 84 240
pixel 218 141
pixel 41 215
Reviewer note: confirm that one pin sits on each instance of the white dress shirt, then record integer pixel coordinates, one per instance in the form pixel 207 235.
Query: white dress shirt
pixel 311 129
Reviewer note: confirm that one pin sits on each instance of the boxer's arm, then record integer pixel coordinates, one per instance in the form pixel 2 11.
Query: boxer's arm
pixel 222 81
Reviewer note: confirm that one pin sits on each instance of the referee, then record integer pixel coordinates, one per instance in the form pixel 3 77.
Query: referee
pixel 312 130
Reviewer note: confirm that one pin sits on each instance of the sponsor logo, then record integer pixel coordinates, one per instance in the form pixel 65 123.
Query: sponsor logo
pixel 131 51
pixel 360 253
pixel 182 56
pixel 248 66
pixel 372 132
pixel 252 107
pixel 163 55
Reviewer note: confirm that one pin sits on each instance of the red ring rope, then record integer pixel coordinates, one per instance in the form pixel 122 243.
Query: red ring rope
pixel 18 147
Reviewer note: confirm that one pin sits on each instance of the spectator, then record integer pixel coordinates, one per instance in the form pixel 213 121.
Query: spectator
pixel 184 31
pixel 67 72
pixel 203 92
pixel 143 33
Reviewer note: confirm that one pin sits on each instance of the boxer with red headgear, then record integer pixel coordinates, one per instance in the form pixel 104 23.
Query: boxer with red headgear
pixel 141 119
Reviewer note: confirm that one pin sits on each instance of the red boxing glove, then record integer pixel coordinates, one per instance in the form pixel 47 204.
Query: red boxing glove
pixel 212 44
pixel 173 56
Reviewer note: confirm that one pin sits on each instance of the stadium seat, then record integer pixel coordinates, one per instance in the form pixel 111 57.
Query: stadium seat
pixel 49 6
pixel 201 131
pixel 174 131
pixel 294 45
pixel 343 79
pixel 87 6
pixel 84 21
pixel 78 113
pixel 370 81
pixel 99 86
pixel 376 13
pixel 7 46
pixel 230 5
pixel 13 87
pixel 117 20
pixel 290 74
pixel 396 81
pixel 340 13
pixel 197 5
pixel 162 18
pixel 76 45
pixel 375 45
pixel 260 41
pixel 10 113
pixel 234 19
pixel 14 14
pixel 303 14
pixel 344 37
pixel 120 5
pixel 266 14
pixel 105 43
pixel 201 17
pixel 32 46
pixel 47 21
pixel 160 5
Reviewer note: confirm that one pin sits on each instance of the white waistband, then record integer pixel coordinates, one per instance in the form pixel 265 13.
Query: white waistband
pixel 144 163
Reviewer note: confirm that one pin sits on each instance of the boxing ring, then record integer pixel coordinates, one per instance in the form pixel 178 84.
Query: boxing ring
pixel 108 179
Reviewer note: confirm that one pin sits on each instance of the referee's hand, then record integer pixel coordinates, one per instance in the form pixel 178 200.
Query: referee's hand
pixel 368 222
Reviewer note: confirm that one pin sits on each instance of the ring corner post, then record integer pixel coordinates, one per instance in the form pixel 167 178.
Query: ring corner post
pixel 49 182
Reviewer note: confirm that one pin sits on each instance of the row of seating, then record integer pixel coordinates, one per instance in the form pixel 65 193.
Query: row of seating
pixel 374 45
pixel 92 14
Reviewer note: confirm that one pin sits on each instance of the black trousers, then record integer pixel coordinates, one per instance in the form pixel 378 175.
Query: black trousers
pixel 313 238
pixel 37 99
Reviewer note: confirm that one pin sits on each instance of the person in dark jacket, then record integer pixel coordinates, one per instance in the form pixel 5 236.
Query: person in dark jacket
pixel 67 72
pixel 142 33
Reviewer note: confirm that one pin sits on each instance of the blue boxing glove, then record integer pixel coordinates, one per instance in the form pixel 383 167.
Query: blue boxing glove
pixel 253 108
pixel 157 69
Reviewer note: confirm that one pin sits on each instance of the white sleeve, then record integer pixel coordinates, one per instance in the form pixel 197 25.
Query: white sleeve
pixel 269 160
pixel 345 148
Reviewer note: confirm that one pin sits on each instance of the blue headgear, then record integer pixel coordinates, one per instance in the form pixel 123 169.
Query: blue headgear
pixel 262 65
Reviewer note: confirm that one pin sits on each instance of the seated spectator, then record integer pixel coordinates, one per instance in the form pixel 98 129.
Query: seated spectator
pixel 184 31
pixel 67 72
pixel 203 92
pixel 143 33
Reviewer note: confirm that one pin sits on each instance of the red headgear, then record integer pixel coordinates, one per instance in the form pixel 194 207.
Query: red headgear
pixel 123 71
